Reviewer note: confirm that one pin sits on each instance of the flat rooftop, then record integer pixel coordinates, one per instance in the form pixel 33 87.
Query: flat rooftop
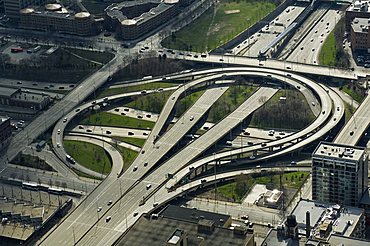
pixel 7 92
pixel 194 215
pixel 344 152
pixel 359 6
pixel 343 222
pixel 115 11
pixel 360 25
pixel 340 240
pixel 159 231
pixel 272 239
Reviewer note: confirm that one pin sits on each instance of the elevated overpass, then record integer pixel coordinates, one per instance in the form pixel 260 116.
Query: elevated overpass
pixel 352 132
pixel 132 186
pixel 300 68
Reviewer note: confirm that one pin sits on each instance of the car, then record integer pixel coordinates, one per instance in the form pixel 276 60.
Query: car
pixel 34 84
pixel 148 186
pixel 221 59
pixel 81 127
pixel 302 48
pixel 322 35
pixel 116 109
pixel 252 157
pixel 77 110
pixel 143 92
pixel 58 145
pixel 316 31
pixel 351 133
pixel 145 164
pixel 159 89
pixel 145 134
pixel 293 163
pixel 130 133
pixel 105 99
pixel 108 132
pixel 19 82
pixel 191 118
pixel 108 219
pixel 313 104
pixel 58 131
pixel 65 120
pixel 338 108
pixel 196 56
pixel 263 144
pixel 139 116
pixel 148 116
pixel 93 102
pixel 288 67
pixel 244 217
pixel 155 204
pixel 99 209
pixel 110 202
pixel 313 49
pixel 135 214
pixel 88 130
pixel 135 168
pixel 126 109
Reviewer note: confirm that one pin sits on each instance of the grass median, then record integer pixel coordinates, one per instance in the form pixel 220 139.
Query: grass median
pixel 109 119
pixel 219 24
pixel 89 155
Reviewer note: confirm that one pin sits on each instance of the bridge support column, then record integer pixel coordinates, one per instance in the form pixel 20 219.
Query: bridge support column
pixel 254 152
pixel 270 149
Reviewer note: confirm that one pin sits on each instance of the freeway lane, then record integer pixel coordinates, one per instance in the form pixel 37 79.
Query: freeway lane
pixel 178 130
pixel 272 64
pixel 52 115
pixel 82 223
pixel 107 235
pixel 352 132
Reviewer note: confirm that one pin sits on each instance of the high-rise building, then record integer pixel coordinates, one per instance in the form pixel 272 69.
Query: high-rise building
pixel 339 174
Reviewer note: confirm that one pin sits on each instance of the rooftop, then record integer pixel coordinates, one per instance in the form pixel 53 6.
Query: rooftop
pixel 339 151
pixel 342 219
pixel 7 92
pixel 115 10
pixel 360 25
pixel 272 239
pixel 194 215
pixel 340 240
pixel 359 6
pixel 142 233
pixel 56 10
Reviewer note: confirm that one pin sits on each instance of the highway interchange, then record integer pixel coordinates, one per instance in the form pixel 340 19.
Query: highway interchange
pixel 84 226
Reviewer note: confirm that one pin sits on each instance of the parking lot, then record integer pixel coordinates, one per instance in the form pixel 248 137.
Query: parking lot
pixel 25 51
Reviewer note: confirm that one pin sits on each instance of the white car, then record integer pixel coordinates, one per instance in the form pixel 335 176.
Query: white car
pixel 148 186
pixel 99 209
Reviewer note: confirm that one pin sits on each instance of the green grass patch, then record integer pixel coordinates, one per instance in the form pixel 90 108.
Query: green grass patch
pixel 332 52
pixel 351 91
pixel 238 189
pixel 186 102
pixel 328 51
pixel 127 155
pixel 219 24
pixel 348 111
pixel 128 88
pixel 109 119
pixel 33 162
pixel 89 155
pixel 229 101
pixel 139 142
pixel 85 175
pixel 152 102
pixel 283 114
